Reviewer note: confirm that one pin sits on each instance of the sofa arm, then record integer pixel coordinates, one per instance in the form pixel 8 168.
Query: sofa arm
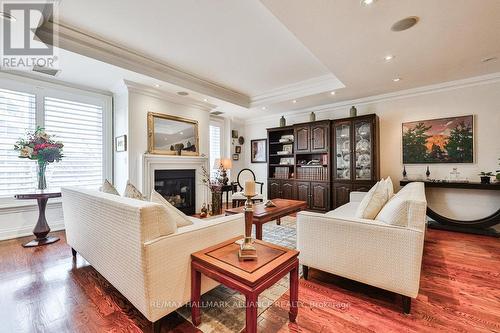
pixel 168 261
pixel 367 251
pixel 356 196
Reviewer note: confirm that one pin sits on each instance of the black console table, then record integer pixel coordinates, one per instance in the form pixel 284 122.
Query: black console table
pixel 480 226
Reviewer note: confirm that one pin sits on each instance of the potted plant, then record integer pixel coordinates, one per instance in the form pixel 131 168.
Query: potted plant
pixel 485 177
pixel 498 173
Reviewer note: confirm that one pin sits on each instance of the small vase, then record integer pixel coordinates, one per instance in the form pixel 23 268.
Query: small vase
pixel 216 203
pixel 353 112
pixel 40 175
pixel 404 172
pixel 428 172
pixel 282 121
pixel 312 116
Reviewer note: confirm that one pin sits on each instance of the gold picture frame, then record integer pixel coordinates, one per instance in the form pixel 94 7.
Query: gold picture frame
pixel 172 135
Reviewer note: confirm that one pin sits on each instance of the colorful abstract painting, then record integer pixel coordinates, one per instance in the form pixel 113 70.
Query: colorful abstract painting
pixel 445 140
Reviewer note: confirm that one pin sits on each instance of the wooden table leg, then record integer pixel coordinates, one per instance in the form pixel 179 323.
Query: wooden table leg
pixel 258 231
pixel 42 229
pixel 195 296
pixel 251 313
pixel 294 292
pixel 278 221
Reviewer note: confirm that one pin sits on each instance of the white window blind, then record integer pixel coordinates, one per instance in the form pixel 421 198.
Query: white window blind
pixel 80 128
pixel 17 116
pixel 215 145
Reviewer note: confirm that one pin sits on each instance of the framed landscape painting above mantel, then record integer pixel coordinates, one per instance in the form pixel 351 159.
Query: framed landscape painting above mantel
pixel 444 140
pixel 171 135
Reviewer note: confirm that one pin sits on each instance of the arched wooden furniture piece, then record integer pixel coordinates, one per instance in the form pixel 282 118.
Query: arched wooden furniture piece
pixel 480 226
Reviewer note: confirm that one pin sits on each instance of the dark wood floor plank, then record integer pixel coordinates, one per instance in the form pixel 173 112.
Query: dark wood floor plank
pixel 45 290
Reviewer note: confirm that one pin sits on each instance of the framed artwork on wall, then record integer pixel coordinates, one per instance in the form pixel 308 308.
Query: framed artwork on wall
pixel 237 149
pixel 236 157
pixel 258 151
pixel 444 140
pixel 121 143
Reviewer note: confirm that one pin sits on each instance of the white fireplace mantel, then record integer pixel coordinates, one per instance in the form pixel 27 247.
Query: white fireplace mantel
pixel 151 162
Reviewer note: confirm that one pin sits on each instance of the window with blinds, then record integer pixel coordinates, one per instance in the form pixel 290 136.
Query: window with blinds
pixel 17 116
pixel 215 146
pixel 80 127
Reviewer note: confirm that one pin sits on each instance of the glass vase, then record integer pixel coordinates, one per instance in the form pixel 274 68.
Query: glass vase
pixel 40 174
pixel 216 203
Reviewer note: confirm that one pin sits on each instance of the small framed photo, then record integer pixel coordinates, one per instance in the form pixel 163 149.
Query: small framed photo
pixel 121 143
pixel 288 149
pixel 234 134
pixel 237 149
pixel 259 151
pixel 236 157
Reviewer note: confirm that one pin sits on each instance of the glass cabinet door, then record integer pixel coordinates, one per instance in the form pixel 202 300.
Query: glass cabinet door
pixel 343 151
pixel 363 154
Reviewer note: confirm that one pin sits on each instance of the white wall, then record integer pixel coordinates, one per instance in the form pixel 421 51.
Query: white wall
pixel 481 99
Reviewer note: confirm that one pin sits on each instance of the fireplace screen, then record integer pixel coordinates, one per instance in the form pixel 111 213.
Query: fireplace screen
pixel 178 188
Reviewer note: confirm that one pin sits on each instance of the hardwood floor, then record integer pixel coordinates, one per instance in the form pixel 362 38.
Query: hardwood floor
pixel 44 290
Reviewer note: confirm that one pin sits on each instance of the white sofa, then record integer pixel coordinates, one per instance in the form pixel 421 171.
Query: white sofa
pixel 369 251
pixel 122 239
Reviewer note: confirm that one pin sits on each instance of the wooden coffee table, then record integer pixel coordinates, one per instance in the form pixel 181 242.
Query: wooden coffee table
pixel 263 214
pixel 220 263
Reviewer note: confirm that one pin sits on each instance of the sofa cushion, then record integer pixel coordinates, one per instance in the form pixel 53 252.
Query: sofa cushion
pixel 373 201
pixel 345 211
pixel 390 187
pixel 107 187
pixel 132 192
pixel 406 208
pixel 180 219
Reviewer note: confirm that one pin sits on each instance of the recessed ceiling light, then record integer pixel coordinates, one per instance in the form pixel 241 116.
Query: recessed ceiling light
pixel 405 23
pixel 157 85
pixel 489 59
pixel 294 101
pixel 182 93
pixel 332 93
pixel 396 79
pixel 7 16
pixel 367 2
pixel 205 100
pixel 389 57
pixel 264 108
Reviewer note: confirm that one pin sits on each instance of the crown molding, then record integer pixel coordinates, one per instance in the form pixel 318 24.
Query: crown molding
pixel 413 92
pixel 297 90
pixel 78 41
pixel 167 96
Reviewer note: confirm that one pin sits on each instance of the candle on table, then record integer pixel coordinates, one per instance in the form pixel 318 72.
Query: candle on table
pixel 250 187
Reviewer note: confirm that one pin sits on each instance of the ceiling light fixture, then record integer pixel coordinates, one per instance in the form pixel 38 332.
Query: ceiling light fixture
pixel 264 108
pixel 367 2
pixel 388 57
pixel 396 79
pixel 294 101
pixel 182 93
pixel 157 85
pixel 7 16
pixel 205 100
pixel 332 93
pixel 405 23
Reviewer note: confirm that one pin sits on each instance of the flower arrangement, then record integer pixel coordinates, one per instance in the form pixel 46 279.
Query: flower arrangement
pixel 38 146
pixel 215 187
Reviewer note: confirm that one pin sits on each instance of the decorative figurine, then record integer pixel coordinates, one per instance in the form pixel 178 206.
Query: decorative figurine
pixel 203 211
pixel 428 172
pixel 404 172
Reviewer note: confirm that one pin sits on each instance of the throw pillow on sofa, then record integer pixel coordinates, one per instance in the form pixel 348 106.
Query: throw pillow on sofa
pixel 373 201
pixel 390 187
pixel 107 187
pixel 132 192
pixel 181 219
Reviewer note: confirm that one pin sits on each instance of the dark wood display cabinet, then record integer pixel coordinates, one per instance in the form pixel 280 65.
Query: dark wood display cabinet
pixel 304 174
pixel 355 156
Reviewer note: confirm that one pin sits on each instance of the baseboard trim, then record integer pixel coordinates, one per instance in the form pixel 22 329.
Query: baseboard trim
pixel 12 233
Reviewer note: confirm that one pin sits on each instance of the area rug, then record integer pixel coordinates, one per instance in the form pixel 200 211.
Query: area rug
pixel 223 308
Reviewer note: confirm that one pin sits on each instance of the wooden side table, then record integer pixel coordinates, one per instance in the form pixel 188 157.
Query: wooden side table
pixel 41 228
pixel 220 263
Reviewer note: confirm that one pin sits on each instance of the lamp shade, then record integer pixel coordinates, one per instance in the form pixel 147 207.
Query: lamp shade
pixel 226 163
